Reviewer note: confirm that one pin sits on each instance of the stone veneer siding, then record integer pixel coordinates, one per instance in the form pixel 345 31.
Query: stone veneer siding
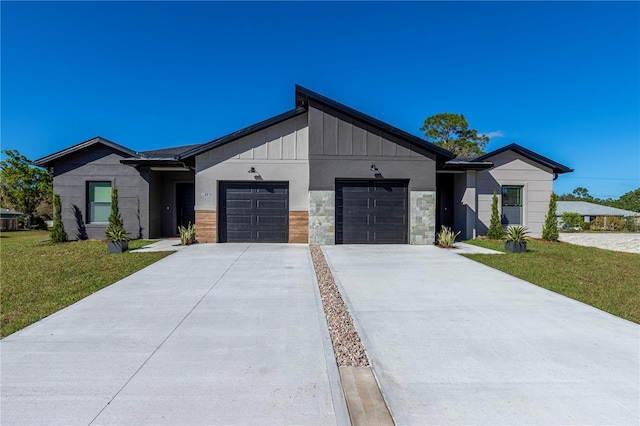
pixel 322 217
pixel 422 212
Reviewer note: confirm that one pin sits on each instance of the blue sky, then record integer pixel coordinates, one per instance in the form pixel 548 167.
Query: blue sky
pixel 562 79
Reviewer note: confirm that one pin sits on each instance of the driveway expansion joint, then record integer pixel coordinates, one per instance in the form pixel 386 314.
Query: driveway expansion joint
pixel 169 335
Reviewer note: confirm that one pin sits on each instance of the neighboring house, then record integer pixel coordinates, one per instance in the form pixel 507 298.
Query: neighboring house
pixel 589 211
pixel 321 173
pixel 9 219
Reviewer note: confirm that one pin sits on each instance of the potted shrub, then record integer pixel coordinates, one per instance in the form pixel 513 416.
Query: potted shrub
pixel 116 235
pixel 516 239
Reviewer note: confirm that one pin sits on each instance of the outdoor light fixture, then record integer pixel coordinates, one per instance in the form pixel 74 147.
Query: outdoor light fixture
pixel 252 170
pixel 374 168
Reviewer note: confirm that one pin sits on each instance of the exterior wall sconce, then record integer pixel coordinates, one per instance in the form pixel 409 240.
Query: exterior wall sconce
pixel 252 170
pixel 374 168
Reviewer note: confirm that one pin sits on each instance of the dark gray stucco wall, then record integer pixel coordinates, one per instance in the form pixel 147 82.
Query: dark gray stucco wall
pixel 343 147
pixel 169 225
pixel 100 163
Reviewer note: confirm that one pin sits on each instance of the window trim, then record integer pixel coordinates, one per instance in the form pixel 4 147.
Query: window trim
pixel 521 187
pixel 88 203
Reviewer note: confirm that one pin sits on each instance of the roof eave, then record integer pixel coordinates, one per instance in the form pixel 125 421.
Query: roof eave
pixel 46 161
pixel 241 133
pixel 556 167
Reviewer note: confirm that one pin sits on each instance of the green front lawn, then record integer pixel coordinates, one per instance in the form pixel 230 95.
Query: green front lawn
pixel 40 278
pixel 608 280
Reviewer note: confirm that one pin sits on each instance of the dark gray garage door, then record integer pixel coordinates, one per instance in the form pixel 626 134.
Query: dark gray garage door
pixel 254 212
pixel 370 212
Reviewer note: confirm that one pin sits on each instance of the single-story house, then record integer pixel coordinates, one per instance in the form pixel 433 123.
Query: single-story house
pixel 9 219
pixel 320 173
pixel 589 211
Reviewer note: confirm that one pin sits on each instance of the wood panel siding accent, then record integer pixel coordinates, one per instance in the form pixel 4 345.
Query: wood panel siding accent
pixel 299 227
pixel 206 226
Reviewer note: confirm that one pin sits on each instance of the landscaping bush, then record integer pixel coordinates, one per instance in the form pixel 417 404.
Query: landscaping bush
pixel 58 234
pixel 572 220
pixel 550 230
pixel 607 223
pixel 446 237
pixel 630 224
pixel 495 231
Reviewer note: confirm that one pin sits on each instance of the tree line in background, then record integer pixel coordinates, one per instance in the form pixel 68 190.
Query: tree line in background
pixel 26 188
pixel 628 201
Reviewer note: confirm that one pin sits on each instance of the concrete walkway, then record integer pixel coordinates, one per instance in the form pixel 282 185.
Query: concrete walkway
pixel 455 342
pixel 213 334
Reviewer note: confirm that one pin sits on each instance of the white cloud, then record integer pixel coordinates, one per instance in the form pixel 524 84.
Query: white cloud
pixel 494 134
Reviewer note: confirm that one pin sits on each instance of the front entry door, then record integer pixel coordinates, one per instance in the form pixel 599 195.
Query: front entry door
pixel 185 202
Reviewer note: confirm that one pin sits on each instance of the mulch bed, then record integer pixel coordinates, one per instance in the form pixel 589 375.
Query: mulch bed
pixel 347 346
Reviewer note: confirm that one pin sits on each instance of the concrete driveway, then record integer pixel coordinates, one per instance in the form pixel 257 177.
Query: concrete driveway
pixel 214 334
pixel 455 342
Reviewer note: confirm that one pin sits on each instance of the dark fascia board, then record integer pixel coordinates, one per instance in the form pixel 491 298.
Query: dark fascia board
pixel 467 165
pixel 46 161
pixel 241 133
pixel 151 162
pixel 304 94
pixel 556 167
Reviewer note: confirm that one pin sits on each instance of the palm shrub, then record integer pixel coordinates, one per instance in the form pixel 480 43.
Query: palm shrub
pixel 495 231
pixel 550 229
pixel 187 234
pixel 115 230
pixel 446 237
pixel 58 234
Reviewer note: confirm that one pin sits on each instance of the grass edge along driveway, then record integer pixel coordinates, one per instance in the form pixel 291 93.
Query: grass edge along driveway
pixel 39 278
pixel 604 279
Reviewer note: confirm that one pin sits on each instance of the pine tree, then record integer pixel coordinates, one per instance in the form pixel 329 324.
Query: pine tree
pixel 58 234
pixel 550 230
pixel 495 231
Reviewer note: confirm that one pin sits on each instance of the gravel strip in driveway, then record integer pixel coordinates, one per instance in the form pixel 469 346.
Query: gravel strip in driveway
pixel 346 342
pixel 629 243
pixel 455 342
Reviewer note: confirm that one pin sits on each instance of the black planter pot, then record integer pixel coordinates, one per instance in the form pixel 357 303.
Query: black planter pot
pixel 117 246
pixel 515 247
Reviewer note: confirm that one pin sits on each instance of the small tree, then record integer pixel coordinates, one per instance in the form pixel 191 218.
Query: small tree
pixel 23 186
pixel 495 231
pixel 115 230
pixel 452 132
pixel 550 230
pixel 58 234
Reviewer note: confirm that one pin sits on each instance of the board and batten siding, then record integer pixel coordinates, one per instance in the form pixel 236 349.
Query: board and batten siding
pixel 511 168
pixel 343 147
pixel 278 153
pixel 100 163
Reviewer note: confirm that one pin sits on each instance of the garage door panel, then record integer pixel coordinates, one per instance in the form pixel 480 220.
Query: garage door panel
pixel 271 220
pixel 271 204
pixel 254 212
pixel 371 212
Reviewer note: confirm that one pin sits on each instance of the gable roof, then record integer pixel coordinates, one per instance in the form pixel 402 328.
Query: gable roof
pixel 240 133
pixel 584 208
pixel 303 95
pixel 46 161
pixel 556 167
